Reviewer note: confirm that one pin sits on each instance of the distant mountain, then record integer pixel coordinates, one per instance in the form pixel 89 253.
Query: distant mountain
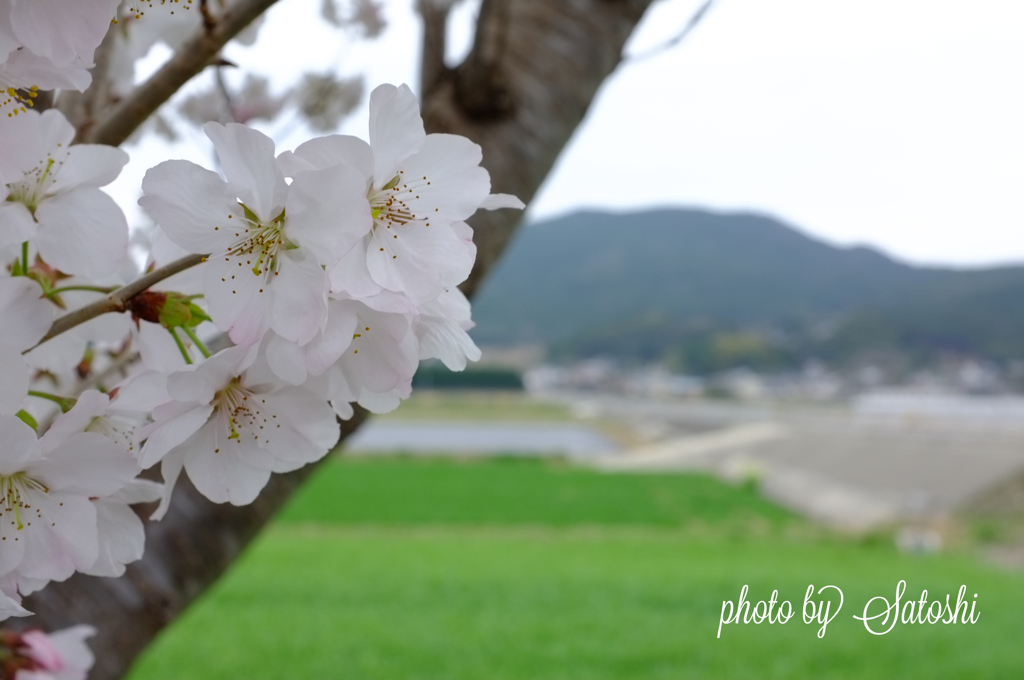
pixel 703 289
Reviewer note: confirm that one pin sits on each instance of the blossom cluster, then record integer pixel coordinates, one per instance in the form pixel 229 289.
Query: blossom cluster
pixel 225 340
pixel 332 270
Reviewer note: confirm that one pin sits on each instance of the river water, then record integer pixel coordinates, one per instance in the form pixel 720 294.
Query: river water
pixel 480 438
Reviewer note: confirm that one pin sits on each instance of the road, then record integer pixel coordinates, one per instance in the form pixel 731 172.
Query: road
pixel 856 467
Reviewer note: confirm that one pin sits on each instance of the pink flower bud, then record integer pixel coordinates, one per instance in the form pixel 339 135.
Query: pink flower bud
pixel 37 646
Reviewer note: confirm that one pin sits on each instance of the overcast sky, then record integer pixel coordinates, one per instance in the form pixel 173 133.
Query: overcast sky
pixel 891 123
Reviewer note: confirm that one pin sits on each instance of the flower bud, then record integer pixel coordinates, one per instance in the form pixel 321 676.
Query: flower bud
pixel 37 646
pixel 167 309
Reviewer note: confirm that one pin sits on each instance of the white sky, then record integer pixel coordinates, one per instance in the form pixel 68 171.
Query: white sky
pixel 893 123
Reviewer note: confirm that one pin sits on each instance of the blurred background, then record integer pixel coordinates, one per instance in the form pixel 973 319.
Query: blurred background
pixel 764 326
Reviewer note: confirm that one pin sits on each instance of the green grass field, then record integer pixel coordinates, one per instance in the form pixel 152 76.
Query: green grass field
pixel 396 568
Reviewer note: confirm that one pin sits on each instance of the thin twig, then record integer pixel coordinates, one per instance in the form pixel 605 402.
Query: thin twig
pixel 678 38
pixel 189 60
pixel 118 300
pixel 223 87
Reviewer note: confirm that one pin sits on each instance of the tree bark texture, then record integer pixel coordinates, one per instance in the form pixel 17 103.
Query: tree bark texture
pixel 535 67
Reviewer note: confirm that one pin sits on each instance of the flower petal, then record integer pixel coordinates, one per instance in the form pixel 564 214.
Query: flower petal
pixel 170 470
pixel 26 315
pixel 16 223
pixel 82 232
pixel 77 656
pixel 298 297
pixel 15 382
pixel 62 31
pixel 218 470
pixel 304 426
pixel 323 152
pixel 457 184
pixel 324 350
pixel 87 464
pixel 192 205
pixel 171 434
pixel 63 539
pixel 237 298
pixel 498 201
pixel 351 276
pixel 30 138
pixel 327 211
pixel 286 359
pixel 396 130
pixel 20 449
pixel 418 260
pixel 121 538
pixel 88 165
pixel 247 157
pixel 90 404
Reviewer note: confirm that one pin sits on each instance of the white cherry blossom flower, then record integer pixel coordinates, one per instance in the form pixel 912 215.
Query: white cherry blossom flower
pixel 120 415
pixel 54 198
pixel 229 427
pixel 269 242
pixel 417 185
pixel 48 524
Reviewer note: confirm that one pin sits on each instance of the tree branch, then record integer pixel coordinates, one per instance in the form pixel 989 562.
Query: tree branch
pixel 550 59
pixel 193 57
pixel 481 86
pixel 118 300
pixel 434 14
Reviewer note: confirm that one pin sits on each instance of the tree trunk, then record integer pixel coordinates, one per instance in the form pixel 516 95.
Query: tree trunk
pixel 535 67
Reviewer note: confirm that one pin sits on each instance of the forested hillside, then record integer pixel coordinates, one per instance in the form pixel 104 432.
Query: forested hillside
pixel 705 291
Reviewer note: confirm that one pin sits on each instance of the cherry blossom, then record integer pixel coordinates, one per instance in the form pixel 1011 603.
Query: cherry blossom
pixel 417 185
pixel 54 199
pixel 333 269
pixel 229 426
pixel 48 523
pixel 268 241
pixel 377 367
